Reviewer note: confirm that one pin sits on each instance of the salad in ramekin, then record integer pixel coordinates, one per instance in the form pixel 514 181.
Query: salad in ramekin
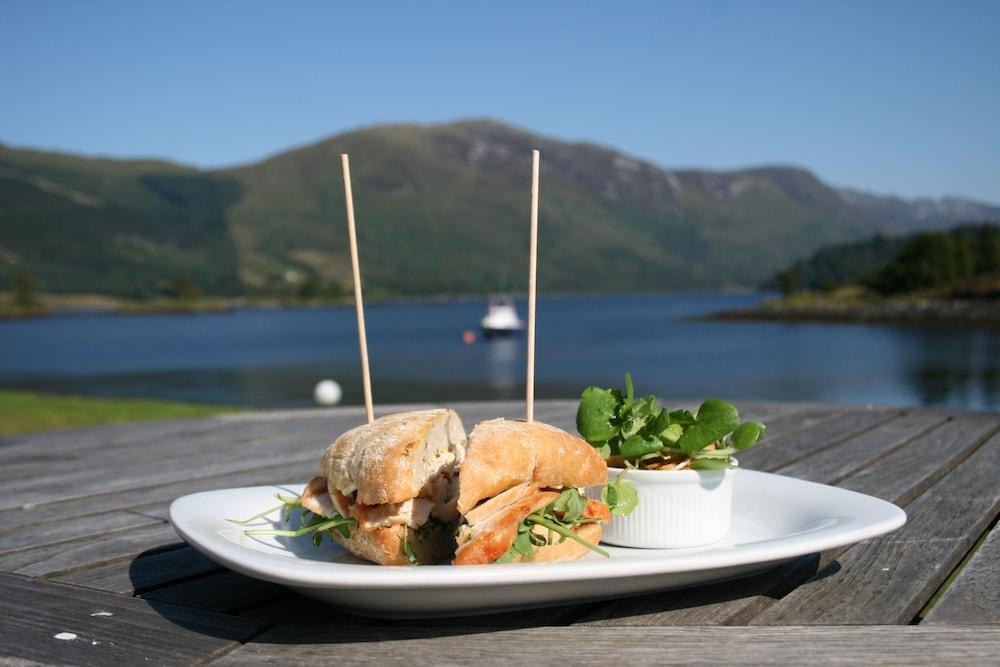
pixel 671 471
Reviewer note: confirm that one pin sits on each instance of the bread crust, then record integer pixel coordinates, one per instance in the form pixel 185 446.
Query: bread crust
pixel 392 459
pixel 493 536
pixel 503 453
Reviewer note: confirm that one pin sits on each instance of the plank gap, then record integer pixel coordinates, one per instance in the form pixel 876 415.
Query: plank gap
pixel 953 575
pixel 891 450
pixel 110 561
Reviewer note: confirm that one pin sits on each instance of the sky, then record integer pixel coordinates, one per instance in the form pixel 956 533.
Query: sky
pixel 891 97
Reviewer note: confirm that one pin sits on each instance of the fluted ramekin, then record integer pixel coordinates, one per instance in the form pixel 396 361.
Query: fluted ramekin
pixel 677 508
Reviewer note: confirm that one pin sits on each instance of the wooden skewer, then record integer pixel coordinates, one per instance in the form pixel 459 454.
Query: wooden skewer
pixel 532 270
pixel 358 304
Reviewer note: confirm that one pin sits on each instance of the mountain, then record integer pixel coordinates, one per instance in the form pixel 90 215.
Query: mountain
pixel 910 215
pixel 120 227
pixel 440 209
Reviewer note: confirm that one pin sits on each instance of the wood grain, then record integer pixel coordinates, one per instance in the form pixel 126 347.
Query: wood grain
pixel 724 603
pixel 145 571
pixel 911 469
pixel 974 595
pixel 873 645
pixel 889 579
pixel 64 557
pixel 34 535
pixel 223 592
pixel 782 451
pixel 126 631
pixel 841 460
pixel 150 500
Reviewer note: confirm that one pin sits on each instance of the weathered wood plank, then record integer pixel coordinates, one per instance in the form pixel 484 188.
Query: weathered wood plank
pixel 974 595
pixel 301 611
pixel 226 592
pixel 138 478
pixel 84 472
pixel 782 451
pixel 889 579
pixel 35 535
pixel 841 460
pixel 145 571
pixel 724 603
pixel 64 557
pixel 916 645
pixel 796 421
pixel 153 500
pixel 911 469
pixel 107 629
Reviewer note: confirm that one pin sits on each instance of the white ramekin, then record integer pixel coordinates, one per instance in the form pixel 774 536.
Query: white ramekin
pixel 677 508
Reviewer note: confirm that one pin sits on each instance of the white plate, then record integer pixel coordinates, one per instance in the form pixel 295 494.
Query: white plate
pixel 775 519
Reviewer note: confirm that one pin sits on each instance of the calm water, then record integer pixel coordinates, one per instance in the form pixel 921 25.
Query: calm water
pixel 271 358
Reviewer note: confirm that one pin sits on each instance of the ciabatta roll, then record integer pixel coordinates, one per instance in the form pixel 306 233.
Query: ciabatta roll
pixel 397 478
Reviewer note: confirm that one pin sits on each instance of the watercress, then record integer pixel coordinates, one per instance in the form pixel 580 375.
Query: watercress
pixel 640 433
pixel 620 495
pixel 558 518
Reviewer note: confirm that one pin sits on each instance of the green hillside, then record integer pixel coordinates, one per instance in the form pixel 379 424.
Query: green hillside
pixel 441 209
pixel 117 227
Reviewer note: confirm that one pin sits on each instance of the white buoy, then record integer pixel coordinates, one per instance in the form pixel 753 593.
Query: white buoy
pixel 327 392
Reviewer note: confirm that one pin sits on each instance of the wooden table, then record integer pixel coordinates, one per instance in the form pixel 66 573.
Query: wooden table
pixel 86 549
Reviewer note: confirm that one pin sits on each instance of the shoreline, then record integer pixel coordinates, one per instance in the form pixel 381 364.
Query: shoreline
pixel 964 314
pixel 83 304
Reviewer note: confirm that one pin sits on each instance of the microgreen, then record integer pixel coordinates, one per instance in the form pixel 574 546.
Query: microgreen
pixel 407 548
pixel 309 523
pixel 640 433
pixel 558 518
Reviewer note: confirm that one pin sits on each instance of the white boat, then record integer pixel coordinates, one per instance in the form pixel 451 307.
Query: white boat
pixel 501 319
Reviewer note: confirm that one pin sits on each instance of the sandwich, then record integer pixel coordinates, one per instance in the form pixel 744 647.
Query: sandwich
pixel 520 495
pixel 390 488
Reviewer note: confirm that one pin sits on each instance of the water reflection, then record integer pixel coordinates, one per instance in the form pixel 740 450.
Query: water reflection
pixel 504 368
pixel 274 358
pixel 957 371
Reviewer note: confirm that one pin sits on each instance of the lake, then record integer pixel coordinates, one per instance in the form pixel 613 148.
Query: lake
pixel 273 358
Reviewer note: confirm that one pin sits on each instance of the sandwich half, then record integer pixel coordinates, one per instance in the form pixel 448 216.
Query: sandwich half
pixel 396 480
pixel 519 495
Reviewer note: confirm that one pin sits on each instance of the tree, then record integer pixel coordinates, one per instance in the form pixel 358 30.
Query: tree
pixel 788 281
pixel 25 297
pixel 185 289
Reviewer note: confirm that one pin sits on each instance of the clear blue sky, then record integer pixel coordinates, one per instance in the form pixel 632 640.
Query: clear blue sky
pixel 894 97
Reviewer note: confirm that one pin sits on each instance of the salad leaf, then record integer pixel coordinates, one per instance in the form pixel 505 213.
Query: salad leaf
pixel 596 414
pixel 672 433
pixel 569 506
pixel 620 495
pixel 715 419
pixel 636 446
pixel 710 464
pixel 645 435
pixel 748 434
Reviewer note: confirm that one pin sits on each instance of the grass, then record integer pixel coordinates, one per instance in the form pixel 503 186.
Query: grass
pixel 27 412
